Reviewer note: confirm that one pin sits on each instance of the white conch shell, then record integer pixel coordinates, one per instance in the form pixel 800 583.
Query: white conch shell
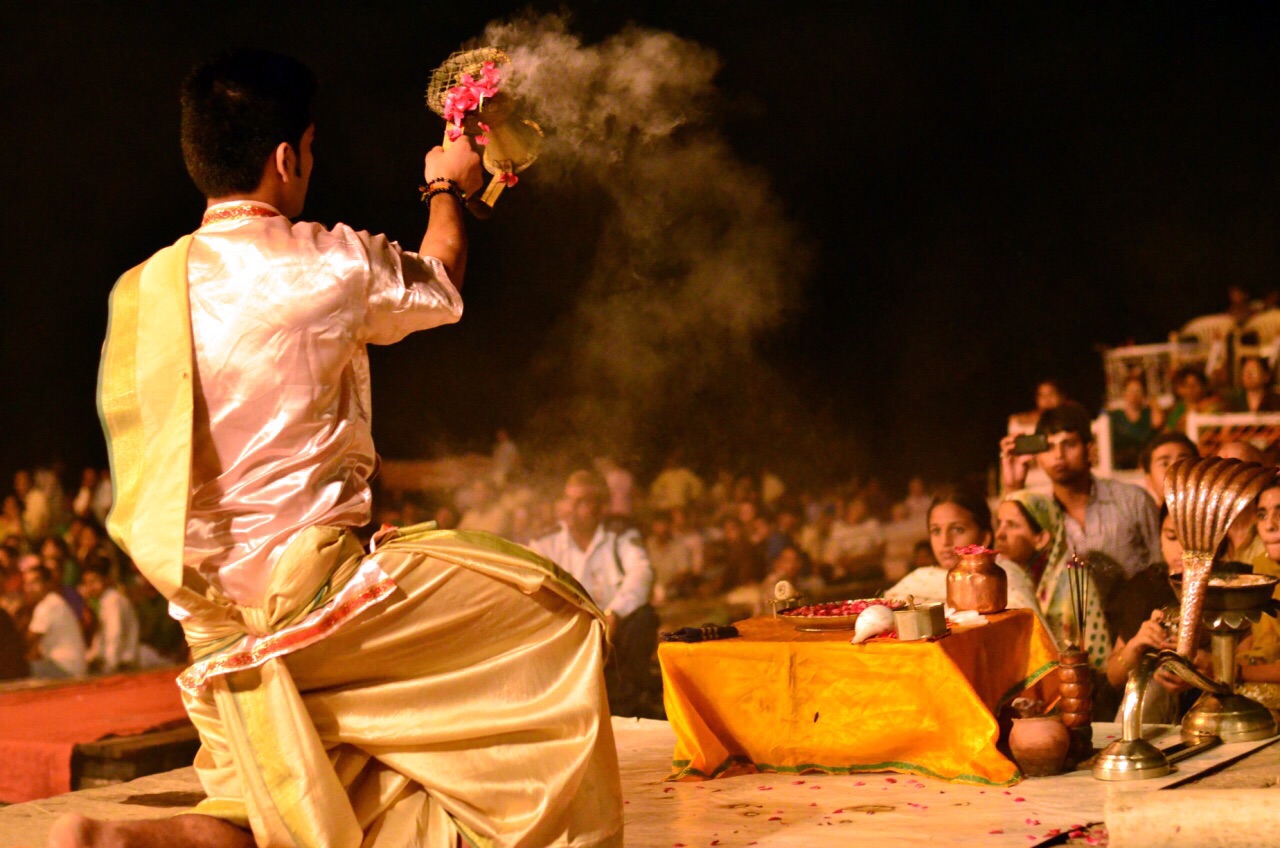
pixel 872 621
pixel 783 590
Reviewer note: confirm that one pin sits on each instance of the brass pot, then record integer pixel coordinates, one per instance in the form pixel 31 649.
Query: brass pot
pixel 977 583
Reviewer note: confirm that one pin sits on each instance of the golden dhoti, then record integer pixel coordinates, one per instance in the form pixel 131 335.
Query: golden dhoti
pixel 459 705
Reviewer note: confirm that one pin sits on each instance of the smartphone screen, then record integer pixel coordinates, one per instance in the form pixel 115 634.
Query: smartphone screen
pixel 1035 443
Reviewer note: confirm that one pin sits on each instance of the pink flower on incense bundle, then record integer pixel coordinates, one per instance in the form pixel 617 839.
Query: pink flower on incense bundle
pixel 508 179
pixel 469 94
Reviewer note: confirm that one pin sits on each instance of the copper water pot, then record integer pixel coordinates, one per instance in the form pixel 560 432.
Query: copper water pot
pixel 977 583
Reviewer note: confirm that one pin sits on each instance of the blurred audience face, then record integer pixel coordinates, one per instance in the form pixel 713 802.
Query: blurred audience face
pixel 916 488
pixel 34 586
pixel 12 508
pixel 759 529
pixel 788 521
pixel 1048 396
pixel 1135 394
pixel 585 506
pixel 1269 520
pixel 788 564
pixel 660 528
pixel 1015 538
pixel 855 512
pixel 1161 458
pixel 73 529
pixel 1067 459
pixel 952 526
pixel 1254 375
pixel 88 538
pixel 747 512
pixel 22 483
pixel 92 585
pixel 1191 388
pixel 732 530
pixel 51 556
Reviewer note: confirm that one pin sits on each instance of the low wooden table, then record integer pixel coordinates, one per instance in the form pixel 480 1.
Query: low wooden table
pixel 778 700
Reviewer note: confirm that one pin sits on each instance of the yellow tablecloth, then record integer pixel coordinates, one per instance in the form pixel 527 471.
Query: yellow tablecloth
pixel 779 700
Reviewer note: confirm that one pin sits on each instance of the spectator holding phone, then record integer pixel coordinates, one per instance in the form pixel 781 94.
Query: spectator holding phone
pixel 1112 525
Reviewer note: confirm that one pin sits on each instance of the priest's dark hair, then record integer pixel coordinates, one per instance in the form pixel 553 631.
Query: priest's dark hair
pixel 236 109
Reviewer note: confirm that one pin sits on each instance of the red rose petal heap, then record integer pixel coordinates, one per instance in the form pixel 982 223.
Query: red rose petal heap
pixel 841 608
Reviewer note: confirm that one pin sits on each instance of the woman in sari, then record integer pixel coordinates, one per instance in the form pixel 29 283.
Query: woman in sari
pixel 1030 534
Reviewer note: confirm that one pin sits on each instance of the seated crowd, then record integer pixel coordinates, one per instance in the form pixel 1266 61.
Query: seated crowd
pixel 684 545
pixel 70 603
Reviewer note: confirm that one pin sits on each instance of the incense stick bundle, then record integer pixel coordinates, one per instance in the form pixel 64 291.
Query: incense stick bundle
pixel 1078 581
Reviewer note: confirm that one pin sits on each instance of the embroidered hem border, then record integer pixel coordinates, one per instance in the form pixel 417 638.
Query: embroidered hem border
pixel 269 647
pixel 748 767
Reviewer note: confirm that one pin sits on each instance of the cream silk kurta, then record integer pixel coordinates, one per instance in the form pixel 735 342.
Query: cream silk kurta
pixel 448 685
pixel 280 316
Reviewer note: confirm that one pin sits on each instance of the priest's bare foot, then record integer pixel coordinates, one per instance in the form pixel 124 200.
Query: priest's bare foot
pixel 189 831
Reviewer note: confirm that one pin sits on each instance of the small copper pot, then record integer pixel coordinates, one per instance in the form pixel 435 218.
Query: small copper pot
pixel 1039 745
pixel 977 583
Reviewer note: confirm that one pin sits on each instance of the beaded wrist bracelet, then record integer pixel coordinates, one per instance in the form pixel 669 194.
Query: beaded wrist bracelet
pixel 452 192
pixel 450 187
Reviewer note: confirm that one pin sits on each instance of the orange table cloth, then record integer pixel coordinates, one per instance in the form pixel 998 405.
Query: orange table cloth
pixel 779 700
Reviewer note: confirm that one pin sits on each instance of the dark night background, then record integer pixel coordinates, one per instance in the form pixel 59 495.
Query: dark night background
pixel 989 192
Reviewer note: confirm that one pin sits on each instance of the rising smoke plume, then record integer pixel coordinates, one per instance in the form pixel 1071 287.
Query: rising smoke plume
pixel 695 260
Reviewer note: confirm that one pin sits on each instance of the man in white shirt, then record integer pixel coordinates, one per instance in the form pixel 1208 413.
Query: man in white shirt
pixel 1115 526
pixel 115 645
pixel 615 570
pixel 54 632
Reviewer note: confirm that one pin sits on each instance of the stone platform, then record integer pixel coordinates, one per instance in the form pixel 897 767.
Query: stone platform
pixel 768 809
